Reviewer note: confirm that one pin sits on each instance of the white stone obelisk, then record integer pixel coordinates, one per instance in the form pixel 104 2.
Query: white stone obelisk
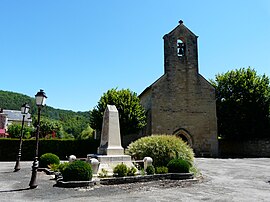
pixel 110 152
pixel 110 143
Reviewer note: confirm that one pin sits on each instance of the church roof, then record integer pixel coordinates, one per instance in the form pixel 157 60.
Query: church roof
pixel 181 26
pixel 149 87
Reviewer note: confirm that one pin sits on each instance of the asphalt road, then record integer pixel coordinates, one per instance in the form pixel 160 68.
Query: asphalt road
pixel 223 180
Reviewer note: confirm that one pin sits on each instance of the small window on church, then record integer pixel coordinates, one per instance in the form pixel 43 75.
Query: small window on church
pixel 181 48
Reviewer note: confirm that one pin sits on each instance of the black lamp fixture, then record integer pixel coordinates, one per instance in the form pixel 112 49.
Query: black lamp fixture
pixel 40 102
pixel 24 110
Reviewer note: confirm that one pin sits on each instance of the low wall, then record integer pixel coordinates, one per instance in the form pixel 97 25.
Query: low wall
pixel 244 148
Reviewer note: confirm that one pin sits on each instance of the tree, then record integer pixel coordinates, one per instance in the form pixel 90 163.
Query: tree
pixel 131 113
pixel 243 100
pixel 14 131
pixel 87 133
pixel 72 123
pixel 48 127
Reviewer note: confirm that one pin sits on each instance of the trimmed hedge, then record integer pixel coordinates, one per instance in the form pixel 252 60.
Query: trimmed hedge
pixel 47 159
pixel 60 147
pixel 77 171
pixel 178 166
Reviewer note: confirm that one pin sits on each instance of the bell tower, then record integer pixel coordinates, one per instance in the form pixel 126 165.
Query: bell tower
pixel 180 51
pixel 182 102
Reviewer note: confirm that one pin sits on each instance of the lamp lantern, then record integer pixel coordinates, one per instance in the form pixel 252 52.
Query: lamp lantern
pixel 40 98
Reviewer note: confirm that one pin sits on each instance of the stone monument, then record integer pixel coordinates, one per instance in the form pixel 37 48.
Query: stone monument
pixel 110 143
pixel 110 152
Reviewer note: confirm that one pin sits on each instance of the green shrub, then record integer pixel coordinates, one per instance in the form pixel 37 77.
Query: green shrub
pixel 178 166
pixel 62 166
pixel 131 171
pixel 150 170
pixel 48 159
pixel 103 173
pixel 58 167
pixel 53 167
pixel 161 148
pixel 120 170
pixel 161 170
pixel 77 171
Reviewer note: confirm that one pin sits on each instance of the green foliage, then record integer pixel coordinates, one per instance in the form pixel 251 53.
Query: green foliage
pixel 150 170
pixel 60 147
pixel 103 173
pixel 66 123
pixel 58 167
pixel 131 171
pixel 131 114
pixel 48 159
pixel 178 166
pixel 161 148
pixel 62 166
pixel 48 127
pixel 142 171
pixel 74 125
pixel 161 170
pixel 120 170
pixel 53 167
pixel 87 133
pixel 243 100
pixel 14 101
pixel 14 131
pixel 77 171
pixel 195 171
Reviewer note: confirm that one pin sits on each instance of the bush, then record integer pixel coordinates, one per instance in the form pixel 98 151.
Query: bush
pixel 120 170
pixel 178 166
pixel 150 170
pixel 77 171
pixel 161 148
pixel 131 171
pixel 48 159
pixel 103 173
pixel 161 170
pixel 58 167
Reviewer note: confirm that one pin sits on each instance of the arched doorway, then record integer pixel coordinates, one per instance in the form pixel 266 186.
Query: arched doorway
pixel 184 135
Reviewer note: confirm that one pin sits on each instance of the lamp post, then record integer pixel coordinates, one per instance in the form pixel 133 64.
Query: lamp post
pixel 24 110
pixel 40 102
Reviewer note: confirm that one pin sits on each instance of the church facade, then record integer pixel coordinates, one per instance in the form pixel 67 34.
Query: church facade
pixel 182 102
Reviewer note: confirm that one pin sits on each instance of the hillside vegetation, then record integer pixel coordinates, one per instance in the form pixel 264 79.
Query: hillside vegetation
pixel 72 123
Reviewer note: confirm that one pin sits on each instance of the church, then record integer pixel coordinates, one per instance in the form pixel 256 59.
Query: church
pixel 182 102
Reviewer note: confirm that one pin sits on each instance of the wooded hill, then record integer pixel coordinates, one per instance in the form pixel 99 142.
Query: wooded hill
pixel 72 122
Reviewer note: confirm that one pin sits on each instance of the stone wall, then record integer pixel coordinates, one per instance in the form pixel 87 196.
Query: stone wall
pixel 248 148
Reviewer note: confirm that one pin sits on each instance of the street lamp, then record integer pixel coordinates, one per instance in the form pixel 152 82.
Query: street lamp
pixel 24 110
pixel 40 102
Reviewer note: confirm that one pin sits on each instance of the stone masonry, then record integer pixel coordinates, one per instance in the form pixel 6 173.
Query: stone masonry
pixel 182 102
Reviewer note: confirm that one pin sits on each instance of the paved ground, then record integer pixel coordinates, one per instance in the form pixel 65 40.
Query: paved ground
pixel 223 180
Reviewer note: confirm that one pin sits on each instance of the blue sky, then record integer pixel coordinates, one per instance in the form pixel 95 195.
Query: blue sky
pixel 77 50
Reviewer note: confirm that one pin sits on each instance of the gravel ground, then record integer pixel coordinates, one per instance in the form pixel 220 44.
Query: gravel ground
pixel 223 180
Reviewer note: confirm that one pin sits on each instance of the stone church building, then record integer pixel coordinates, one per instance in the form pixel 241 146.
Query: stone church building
pixel 182 102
